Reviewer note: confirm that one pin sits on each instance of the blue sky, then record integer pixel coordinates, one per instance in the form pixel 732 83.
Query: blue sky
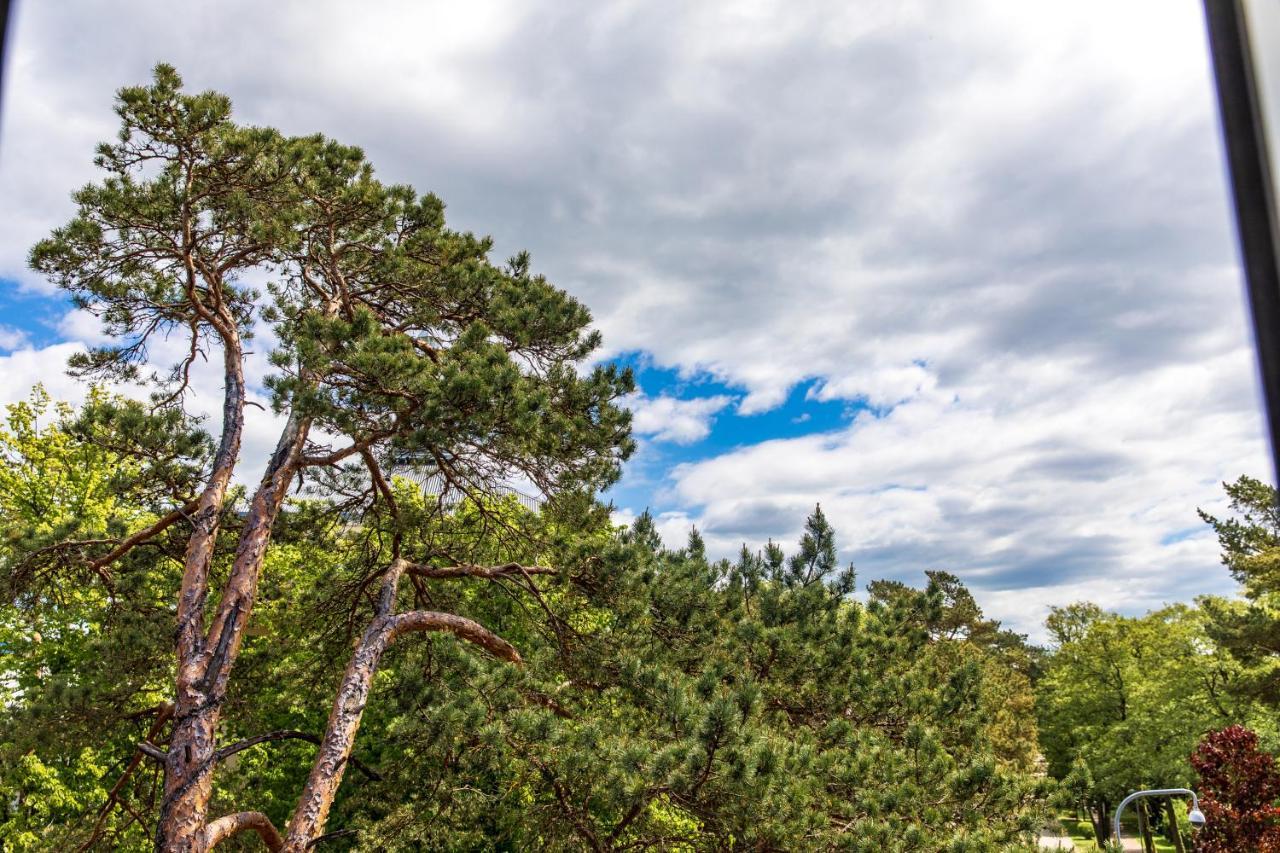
pixel 727 429
pixel 962 273
pixel 35 316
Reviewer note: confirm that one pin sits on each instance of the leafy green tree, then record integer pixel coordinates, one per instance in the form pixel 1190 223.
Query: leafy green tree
pixel 72 487
pixel 1123 700
pixel 962 635
pixel 393 337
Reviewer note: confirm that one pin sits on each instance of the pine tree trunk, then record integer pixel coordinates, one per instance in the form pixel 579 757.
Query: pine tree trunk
pixel 205 662
pixel 312 811
pixel 188 772
pixel 335 749
pixel 188 781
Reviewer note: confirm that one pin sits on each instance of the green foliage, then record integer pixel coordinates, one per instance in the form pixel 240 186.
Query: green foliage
pixel 666 700
pixel 1124 700
pixel 706 706
pixel 1250 629
pixel 78 653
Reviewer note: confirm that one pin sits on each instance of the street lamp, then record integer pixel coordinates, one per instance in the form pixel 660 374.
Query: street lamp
pixel 1195 815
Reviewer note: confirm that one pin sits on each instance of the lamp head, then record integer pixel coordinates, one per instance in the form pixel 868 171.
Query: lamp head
pixel 1196 817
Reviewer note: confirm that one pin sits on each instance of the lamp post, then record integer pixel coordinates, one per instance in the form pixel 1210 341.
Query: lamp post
pixel 1195 815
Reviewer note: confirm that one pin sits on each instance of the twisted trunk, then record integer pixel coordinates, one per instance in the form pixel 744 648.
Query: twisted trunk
pixel 205 660
pixel 188 766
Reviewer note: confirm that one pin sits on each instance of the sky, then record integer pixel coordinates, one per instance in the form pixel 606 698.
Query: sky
pixel 962 273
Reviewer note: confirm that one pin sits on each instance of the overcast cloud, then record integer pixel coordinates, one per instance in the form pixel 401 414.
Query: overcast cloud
pixel 997 233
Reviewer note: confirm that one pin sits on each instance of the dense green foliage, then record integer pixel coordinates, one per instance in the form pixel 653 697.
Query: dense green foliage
pixel 663 700
pixel 666 701
pixel 1124 700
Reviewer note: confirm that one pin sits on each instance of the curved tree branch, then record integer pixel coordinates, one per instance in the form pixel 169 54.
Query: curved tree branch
pixel 460 627
pixel 225 827
pixel 335 749
pixel 128 544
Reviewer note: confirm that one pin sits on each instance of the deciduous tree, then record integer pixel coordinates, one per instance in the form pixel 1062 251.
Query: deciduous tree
pixel 1239 787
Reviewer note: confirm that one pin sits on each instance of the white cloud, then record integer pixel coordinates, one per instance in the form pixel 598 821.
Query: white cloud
pixel 11 339
pixel 1089 487
pixel 81 325
pixel 27 367
pixel 666 418
pixel 1004 222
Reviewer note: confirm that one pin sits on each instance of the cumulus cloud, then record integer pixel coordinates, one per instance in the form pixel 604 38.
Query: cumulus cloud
pixel 84 326
pixel 667 418
pixel 1002 226
pixel 27 367
pixel 1091 488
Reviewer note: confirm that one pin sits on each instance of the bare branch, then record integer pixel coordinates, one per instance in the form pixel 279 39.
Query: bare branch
pixel 375 473
pixel 330 836
pixel 290 734
pixel 184 369
pixel 127 545
pixel 338 455
pixel 507 570
pixel 225 827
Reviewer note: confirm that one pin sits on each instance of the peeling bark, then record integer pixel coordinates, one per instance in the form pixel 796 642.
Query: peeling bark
pixel 205 661
pixel 312 812
pixel 188 768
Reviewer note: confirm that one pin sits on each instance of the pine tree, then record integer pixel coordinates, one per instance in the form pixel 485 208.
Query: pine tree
pixel 394 338
pixel 1250 544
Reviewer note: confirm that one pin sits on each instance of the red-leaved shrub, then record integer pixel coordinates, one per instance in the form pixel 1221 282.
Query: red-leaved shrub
pixel 1239 787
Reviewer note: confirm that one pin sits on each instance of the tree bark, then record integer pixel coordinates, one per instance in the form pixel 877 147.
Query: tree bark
pixel 205 661
pixel 188 769
pixel 1099 811
pixel 331 760
pixel 225 827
